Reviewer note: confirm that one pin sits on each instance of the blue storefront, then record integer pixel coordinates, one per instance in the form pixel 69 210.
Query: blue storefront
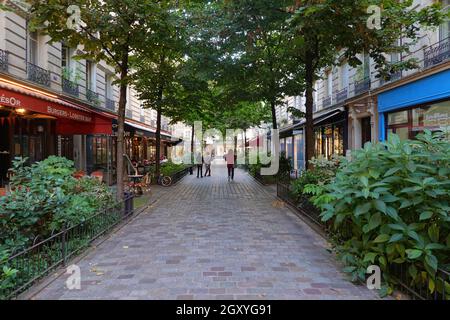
pixel 414 107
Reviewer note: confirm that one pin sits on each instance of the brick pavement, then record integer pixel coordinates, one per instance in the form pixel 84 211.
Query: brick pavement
pixel 210 239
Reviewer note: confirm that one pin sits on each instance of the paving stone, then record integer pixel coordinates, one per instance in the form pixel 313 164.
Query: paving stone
pixel 210 239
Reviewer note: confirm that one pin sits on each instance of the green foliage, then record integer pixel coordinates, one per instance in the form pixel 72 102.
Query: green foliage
pixel 46 197
pixel 314 180
pixel 170 168
pixel 7 275
pixel 391 205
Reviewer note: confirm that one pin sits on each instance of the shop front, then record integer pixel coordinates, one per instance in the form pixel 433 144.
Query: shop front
pixel 35 124
pixel 330 134
pixel 412 108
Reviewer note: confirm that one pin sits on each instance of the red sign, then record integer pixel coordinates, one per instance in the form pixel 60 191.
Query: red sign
pixel 13 99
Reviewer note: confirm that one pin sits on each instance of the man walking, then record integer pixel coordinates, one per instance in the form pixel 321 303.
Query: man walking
pixel 207 161
pixel 229 158
pixel 199 162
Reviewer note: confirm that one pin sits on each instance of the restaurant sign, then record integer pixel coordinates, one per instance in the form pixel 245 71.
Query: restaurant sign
pixel 16 100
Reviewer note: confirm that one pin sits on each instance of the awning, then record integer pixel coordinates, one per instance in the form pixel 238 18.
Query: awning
pixel 70 118
pixel 140 130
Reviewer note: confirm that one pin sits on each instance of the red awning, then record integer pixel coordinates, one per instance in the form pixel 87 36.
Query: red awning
pixel 71 118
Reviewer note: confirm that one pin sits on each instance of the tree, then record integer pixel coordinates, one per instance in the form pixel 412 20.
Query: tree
pixel 157 69
pixel 108 30
pixel 327 29
pixel 254 41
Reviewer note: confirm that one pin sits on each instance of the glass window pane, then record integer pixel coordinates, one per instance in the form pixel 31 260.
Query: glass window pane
pixel 398 118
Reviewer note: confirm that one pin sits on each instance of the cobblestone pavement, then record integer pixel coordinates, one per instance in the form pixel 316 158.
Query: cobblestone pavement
pixel 210 239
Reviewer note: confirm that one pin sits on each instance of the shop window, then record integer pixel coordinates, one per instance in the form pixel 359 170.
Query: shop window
pixel 407 124
pixel 398 118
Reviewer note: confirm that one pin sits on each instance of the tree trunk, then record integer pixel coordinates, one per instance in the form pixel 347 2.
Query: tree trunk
pixel 158 138
pixel 121 127
pixel 309 127
pixel 274 115
pixel 192 147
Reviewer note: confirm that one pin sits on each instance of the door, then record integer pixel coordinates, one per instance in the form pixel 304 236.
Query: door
pixel 366 131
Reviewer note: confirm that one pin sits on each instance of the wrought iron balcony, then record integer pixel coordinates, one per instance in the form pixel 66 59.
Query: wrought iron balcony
pixel 38 75
pixel 92 97
pixel 393 77
pixel 437 53
pixel 327 102
pixel 3 61
pixel 70 87
pixel 362 86
pixel 110 104
pixel 342 95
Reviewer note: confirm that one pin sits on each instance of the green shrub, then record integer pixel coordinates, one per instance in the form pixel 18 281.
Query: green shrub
pixel 323 172
pixel 7 275
pixel 44 198
pixel 391 205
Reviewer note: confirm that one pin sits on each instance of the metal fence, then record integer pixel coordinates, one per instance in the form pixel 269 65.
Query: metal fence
pixel 419 290
pixel 177 176
pixel 45 256
pixel 300 203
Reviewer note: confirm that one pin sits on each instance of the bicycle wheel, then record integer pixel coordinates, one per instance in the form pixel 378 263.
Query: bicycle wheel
pixel 166 181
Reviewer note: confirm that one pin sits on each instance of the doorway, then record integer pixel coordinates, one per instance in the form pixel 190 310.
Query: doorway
pixel 5 148
pixel 366 131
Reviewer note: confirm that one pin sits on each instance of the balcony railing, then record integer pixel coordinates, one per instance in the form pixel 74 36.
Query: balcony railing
pixel 92 97
pixel 362 86
pixel 110 104
pixel 327 102
pixel 3 61
pixel 342 95
pixel 437 53
pixel 38 75
pixel 70 87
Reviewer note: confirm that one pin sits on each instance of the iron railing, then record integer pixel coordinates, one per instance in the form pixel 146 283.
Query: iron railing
pixel 70 87
pixel 92 97
pixel 419 290
pixel 46 256
pixel 3 61
pixel 342 95
pixel 437 53
pixel 362 86
pixel 177 176
pixel 301 204
pixel 38 75
pixel 327 102
pixel 110 104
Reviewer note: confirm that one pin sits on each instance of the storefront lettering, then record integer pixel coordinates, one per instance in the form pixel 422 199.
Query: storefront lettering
pixel 11 101
pixel 68 114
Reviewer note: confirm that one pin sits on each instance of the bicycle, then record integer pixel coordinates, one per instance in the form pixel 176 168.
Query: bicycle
pixel 165 181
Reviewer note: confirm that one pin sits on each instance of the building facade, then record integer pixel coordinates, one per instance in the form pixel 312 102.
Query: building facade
pixel 54 104
pixel 352 106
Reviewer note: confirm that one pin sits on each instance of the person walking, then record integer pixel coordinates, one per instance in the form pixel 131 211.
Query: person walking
pixel 207 161
pixel 199 162
pixel 229 158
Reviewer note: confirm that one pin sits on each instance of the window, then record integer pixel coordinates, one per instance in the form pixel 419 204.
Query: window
pixel 33 48
pixel 407 124
pixel 343 76
pixel 65 57
pixel 366 66
pixel 90 75
pixel 444 30
pixel 329 89
pixel 108 86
